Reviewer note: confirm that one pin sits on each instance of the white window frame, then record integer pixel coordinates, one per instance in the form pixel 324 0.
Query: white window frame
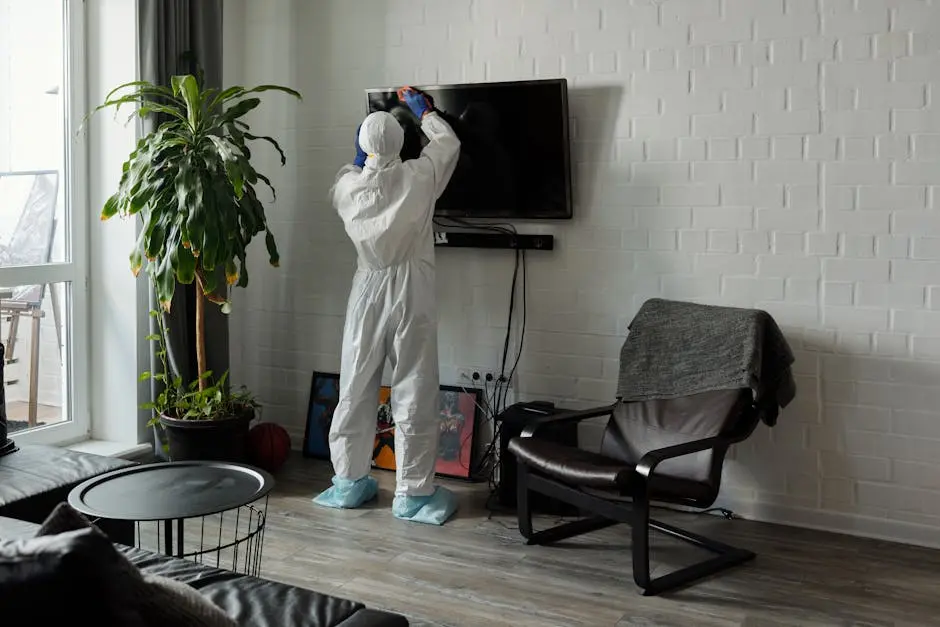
pixel 75 271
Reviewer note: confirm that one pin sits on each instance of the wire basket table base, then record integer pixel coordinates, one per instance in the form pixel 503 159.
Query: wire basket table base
pixel 232 540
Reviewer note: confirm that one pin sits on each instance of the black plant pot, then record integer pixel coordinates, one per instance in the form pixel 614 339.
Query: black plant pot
pixel 161 450
pixel 224 440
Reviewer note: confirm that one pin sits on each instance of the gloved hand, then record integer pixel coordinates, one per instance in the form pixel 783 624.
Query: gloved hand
pixel 419 103
pixel 360 160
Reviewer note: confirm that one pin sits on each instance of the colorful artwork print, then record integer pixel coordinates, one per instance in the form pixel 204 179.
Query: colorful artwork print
pixel 458 418
pixel 324 395
pixel 458 413
pixel 458 427
pixel 383 454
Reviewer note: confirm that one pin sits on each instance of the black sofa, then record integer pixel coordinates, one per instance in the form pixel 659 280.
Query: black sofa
pixel 249 600
pixel 34 479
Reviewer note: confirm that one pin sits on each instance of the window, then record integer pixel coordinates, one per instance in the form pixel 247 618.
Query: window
pixel 43 226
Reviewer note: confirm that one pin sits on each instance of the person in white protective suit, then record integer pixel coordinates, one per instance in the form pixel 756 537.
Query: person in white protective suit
pixel 387 208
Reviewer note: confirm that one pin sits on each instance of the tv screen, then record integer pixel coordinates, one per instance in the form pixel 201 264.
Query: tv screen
pixel 514 158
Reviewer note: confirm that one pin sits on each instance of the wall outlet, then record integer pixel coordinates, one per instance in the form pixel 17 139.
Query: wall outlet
pixel 476 377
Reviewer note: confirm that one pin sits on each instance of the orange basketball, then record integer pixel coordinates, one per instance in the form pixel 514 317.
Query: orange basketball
pixel 268 446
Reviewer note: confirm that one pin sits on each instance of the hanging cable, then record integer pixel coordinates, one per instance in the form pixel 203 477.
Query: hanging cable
pixel 515 365
pixel 496 403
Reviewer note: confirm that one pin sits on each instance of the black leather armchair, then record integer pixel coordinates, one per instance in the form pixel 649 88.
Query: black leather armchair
pixel 669 451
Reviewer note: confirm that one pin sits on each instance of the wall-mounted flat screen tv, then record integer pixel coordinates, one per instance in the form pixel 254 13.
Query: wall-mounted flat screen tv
pixel 514 160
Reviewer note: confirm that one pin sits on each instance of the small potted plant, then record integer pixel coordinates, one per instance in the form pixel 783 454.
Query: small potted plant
pixel 192 184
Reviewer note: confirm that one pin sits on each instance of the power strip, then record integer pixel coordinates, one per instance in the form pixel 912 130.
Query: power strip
pixel 457 239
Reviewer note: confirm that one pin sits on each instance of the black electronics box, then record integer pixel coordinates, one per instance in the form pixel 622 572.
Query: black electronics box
pixel 511 423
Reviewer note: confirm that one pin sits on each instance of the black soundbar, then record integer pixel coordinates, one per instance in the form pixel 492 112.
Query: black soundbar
pixel 457 239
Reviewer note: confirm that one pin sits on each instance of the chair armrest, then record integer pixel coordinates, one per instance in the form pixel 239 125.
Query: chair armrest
pixel 565 417
pixel 650 460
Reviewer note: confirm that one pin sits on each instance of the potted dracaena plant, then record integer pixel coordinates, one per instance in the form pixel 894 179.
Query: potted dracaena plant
pixel 192 184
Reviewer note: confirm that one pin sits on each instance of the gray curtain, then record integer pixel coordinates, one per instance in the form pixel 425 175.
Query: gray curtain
pixel 179 37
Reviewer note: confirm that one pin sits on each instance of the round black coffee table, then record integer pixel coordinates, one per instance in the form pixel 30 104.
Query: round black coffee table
pixel 173 492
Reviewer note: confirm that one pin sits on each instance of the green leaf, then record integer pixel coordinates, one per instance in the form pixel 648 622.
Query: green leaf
pixel 144 376
pixel 176 82
pixel 210 282
pixel 156 241
pixel 260 88
pixel 206 94
pixel 110 208
pixel 165 284
pixel 242 273
pixel 275 258
pixel 235 177
pixel 137 261
pixel 144 193
pixel 240 109
pixel 224 149
pixel 186 265
pixel 267 181
pixel 190 91
pixel 271 141
pixel 184 183
pixel 140 84
pixel 225 95
pixel 153 107
pixel 231 272
pixel 252 213
pixel 153 337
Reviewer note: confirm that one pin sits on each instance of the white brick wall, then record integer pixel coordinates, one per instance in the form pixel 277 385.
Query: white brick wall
pixel 782 154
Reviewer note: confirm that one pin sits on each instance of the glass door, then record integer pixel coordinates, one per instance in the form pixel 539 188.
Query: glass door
pixel 43 227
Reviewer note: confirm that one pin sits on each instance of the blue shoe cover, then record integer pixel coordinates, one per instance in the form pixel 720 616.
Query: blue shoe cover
pixel 435 509
pixel 348 494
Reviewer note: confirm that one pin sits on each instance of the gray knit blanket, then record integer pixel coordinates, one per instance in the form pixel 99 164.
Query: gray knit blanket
pixel 677 349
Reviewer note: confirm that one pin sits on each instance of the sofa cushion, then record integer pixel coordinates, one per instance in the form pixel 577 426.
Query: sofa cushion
pixel 260 602
pixel 141 599
pixel 78 571
pixel 36 478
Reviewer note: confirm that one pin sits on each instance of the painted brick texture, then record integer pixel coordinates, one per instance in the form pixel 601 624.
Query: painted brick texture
pixel 781 154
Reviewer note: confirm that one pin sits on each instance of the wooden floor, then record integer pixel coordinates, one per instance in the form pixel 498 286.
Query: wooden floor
pixel 476 571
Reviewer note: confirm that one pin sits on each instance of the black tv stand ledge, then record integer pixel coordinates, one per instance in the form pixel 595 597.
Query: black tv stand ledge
pixel 456 239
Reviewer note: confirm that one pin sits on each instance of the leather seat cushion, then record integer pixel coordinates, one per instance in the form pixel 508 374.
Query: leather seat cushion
pixel 36 478
pixel 260 602
pixel 636 428
pixel 585 469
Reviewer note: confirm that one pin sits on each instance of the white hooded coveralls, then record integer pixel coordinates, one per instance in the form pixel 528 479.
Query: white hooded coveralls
pixel 387 208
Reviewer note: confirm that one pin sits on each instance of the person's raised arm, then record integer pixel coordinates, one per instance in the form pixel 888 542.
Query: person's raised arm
pixel 439 157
